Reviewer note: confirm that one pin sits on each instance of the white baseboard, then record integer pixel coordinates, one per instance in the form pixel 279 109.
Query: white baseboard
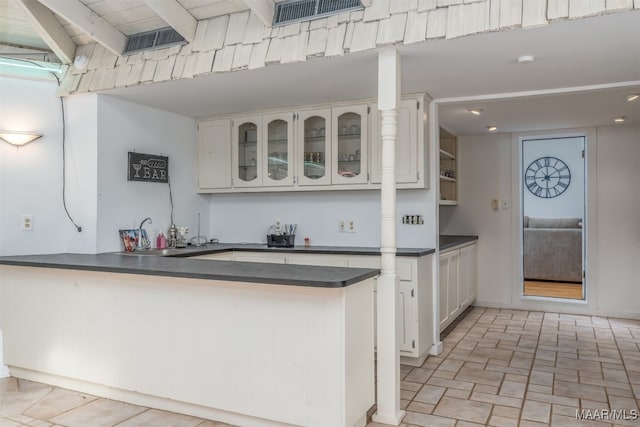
pixel 147 400
pixel 4 370
pixel 414 361
pixel 566 307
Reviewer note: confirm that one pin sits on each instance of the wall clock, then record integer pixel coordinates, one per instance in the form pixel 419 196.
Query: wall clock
pixel 547 177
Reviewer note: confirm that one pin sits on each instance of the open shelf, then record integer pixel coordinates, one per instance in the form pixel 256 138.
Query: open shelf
pixel 447 154
pixel 448 165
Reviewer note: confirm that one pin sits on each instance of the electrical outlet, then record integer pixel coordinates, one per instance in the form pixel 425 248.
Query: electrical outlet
pixel 342 226
pixel 277 226
pixel 495 204
pixel 351 226
pixel 505 204
pixel 27 223
pixel 413 219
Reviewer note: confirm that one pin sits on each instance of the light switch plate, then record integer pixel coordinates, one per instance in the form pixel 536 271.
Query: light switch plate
pixel 495 204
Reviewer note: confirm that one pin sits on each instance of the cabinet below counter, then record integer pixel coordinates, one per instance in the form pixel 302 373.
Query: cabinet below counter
pixel 149 330
pixel 458 276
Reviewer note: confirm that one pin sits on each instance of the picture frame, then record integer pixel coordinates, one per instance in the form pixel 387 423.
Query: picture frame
pixel 131 237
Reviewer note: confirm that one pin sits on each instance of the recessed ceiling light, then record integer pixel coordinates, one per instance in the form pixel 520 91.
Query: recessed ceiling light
pixel 524 59
pixel 619 119
pixel 633 97
pixel 492 128
pixel 476 111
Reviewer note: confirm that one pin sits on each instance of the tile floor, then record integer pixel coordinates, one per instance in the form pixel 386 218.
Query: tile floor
pixel 499 368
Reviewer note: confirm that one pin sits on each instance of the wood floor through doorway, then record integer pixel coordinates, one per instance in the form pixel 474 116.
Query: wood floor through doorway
pixel 553 289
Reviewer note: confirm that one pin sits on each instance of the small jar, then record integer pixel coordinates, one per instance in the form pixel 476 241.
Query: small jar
pixel 307 242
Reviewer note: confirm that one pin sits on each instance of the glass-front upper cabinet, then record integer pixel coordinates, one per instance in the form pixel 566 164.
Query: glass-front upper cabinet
pixel 277 163
pixel 314 147
pixel 349 137
pixel 247 152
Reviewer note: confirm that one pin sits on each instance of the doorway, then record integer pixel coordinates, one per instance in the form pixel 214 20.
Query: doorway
pixel 553 207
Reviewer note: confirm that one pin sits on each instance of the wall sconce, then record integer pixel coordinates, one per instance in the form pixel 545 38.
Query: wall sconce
pixel 18 138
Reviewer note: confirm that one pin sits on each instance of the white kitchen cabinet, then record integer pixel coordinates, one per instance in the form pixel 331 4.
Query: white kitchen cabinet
pixel 220 256
pixel 325 147
pixel 409 158
pixel 458 282
pixel 277 158
pixel 414 291
pixel 313 147
pixel 214 154
pixel 468 274
pixel 318 259
pixel 349 139
pixel 247 152
pixel 408 313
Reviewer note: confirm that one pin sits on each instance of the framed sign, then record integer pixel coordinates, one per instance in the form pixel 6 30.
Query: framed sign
pixel 148 168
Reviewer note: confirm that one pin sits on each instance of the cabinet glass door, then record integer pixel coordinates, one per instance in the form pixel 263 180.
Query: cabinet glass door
pixel 277 165
pixel 315 152
pixel 350 145
pixel 247 152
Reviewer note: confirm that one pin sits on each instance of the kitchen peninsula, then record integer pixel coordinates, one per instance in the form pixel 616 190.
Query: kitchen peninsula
pixel 244 343
pixel 284 338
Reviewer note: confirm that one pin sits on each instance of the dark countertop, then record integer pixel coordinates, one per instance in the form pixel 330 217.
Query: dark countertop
pixel 176 263
pixel 447 242
pixel 252 272
pixel 256 247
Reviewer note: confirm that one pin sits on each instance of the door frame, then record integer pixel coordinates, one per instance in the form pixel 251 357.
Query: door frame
pixel 589 302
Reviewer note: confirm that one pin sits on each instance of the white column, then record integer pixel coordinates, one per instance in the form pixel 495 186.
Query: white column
pixel 4 371
pixel 388 351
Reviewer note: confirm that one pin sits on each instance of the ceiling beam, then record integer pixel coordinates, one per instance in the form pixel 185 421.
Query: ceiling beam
pixel 176 16
pixel 49 29
pixel 91 24
pixel 263 9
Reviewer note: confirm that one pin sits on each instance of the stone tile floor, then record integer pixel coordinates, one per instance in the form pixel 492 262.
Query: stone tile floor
pixel 499 368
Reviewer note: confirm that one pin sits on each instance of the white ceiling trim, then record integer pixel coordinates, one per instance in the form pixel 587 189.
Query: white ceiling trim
pixel 531 93
pixel 176 16
pixel 263 9
pixel 86 20
pixel 49 29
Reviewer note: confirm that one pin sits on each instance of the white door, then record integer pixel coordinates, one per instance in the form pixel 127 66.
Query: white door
pixel 214 154
pixel 349 145
pixel 407 320
pixel 553 220
pixel 406 143
pixel 313 147
pixel 277 161
pixel 453 285
pixel 247 151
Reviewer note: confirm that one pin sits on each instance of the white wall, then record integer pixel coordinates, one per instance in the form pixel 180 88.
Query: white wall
pixel 100 130
pixel 31 176
pixel 617 246
pixel 569 204
pixel 489 164
pixel 122 127
pixel 247 217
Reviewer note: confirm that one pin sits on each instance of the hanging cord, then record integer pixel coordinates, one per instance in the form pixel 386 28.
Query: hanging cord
pixel 64 165
pixel 170 195
pixel 64 157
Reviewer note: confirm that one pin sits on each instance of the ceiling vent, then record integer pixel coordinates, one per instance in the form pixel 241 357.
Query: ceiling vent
pixel 153 40
pixel 289 11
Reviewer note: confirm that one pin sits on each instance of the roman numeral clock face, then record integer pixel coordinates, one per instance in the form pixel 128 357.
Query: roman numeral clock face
pixel 547 177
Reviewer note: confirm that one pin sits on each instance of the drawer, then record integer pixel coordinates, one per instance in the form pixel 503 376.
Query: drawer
pixel 405 270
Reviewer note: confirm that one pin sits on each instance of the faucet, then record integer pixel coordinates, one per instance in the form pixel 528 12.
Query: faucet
pixel 142 242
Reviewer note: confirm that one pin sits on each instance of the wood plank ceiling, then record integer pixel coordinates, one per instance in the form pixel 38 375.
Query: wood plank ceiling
pixel 125 16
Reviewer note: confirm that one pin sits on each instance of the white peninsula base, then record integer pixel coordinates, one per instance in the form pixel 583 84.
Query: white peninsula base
pixel 248 354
